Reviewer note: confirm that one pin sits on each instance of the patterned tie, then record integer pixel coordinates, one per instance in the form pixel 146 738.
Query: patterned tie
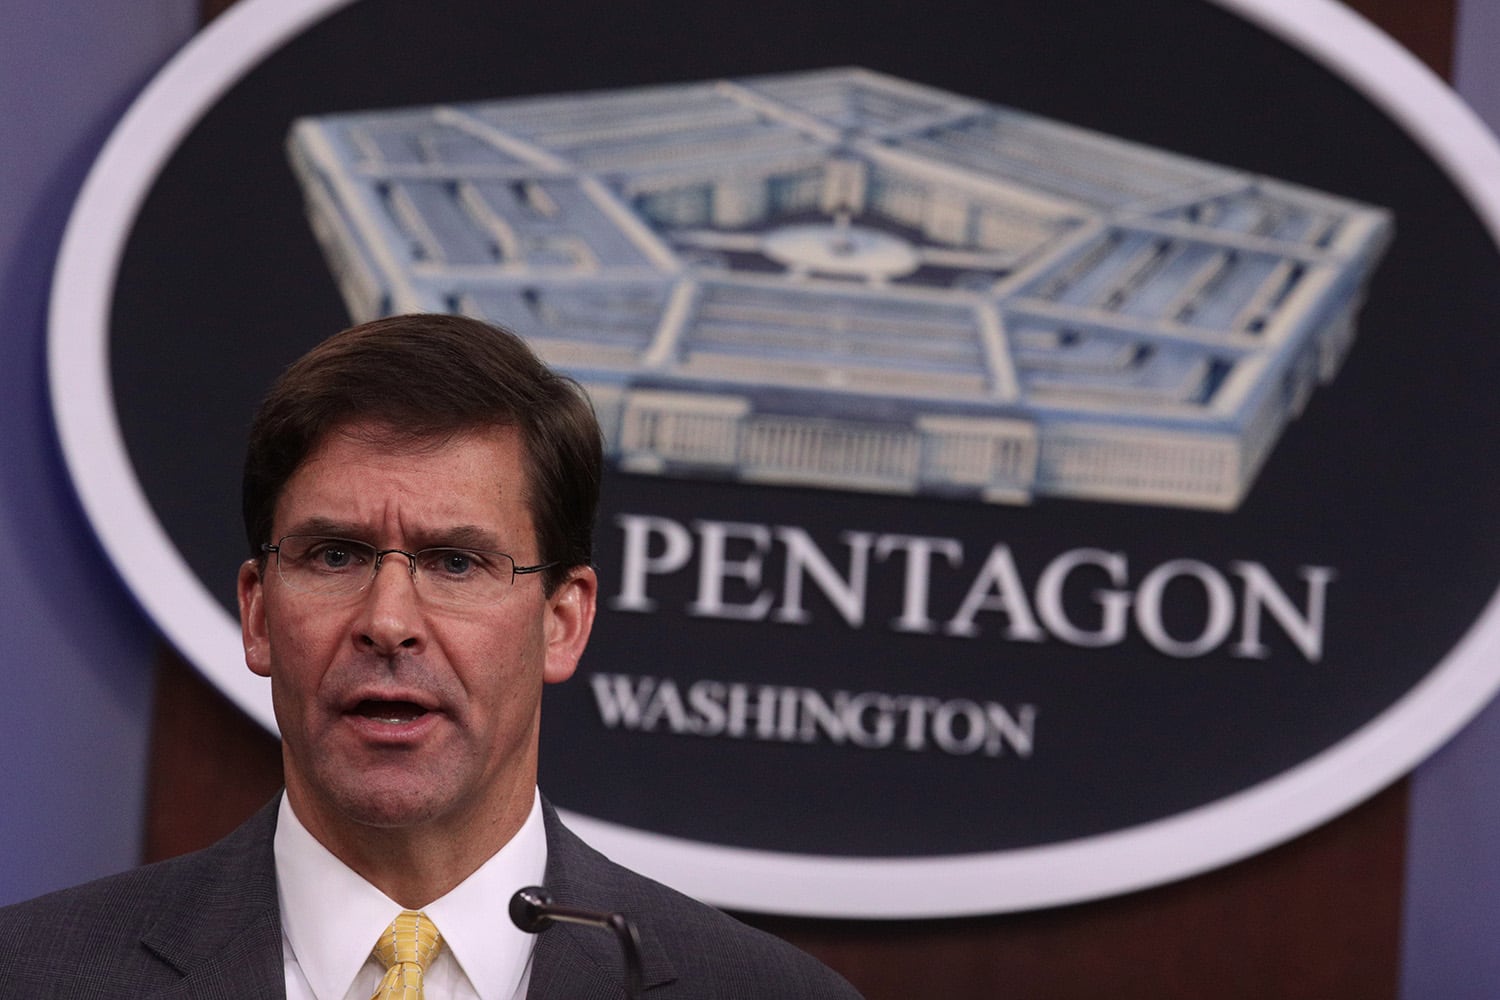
pixel 405 948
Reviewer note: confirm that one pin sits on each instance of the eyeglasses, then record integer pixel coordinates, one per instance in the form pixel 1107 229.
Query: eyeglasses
pixel 445 577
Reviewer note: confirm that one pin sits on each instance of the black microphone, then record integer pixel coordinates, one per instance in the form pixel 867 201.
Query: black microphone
pixel 533 911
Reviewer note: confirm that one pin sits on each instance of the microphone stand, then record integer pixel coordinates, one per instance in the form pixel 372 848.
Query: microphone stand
pixel 533 911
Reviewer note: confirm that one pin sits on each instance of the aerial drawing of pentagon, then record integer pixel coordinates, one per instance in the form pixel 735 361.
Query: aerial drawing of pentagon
pixel 847 280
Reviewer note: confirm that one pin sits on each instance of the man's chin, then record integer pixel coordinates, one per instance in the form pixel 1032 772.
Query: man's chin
pixel 399 802
pixel 392 810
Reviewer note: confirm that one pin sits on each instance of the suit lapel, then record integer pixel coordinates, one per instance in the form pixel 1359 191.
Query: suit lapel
pixel 222 931
pixel 249 969
pixel 584 963
pixel 567 965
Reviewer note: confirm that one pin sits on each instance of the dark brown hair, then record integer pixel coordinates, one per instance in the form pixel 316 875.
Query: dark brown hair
pixel 428 376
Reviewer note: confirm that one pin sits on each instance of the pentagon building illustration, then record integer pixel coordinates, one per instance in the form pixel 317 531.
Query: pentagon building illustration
pixel 842 279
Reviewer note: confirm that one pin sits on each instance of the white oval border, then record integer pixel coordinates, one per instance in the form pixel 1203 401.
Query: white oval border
pixel 803 885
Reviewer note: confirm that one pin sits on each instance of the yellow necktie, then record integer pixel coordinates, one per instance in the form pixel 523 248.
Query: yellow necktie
pixel 406 948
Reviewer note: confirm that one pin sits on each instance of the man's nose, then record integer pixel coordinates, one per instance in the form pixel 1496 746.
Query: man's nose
pixel 390 617
pixel 404 559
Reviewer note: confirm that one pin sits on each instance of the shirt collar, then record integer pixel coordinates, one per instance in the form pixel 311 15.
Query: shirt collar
pixel 331 916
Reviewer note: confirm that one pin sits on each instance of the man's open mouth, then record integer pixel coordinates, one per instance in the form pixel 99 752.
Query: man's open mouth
pixel 393 712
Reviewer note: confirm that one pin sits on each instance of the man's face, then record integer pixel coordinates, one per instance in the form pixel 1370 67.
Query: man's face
pixel 395 713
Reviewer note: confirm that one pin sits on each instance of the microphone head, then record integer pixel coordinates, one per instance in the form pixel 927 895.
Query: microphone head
pixel 528 909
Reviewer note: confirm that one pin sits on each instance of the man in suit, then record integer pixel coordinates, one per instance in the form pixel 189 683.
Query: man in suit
pixel 419 497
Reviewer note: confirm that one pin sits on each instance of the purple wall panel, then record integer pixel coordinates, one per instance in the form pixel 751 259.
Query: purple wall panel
pixel 1452 916
pixel 1452 920
pixel 78 655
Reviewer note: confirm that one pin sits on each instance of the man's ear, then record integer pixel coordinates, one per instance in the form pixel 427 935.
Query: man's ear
pixel 250 588
pixel 570 619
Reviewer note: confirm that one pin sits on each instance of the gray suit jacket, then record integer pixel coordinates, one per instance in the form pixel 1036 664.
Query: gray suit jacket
pixel 208 925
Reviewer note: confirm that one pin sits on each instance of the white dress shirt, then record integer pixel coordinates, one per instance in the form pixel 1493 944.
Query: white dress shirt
pixel 331 918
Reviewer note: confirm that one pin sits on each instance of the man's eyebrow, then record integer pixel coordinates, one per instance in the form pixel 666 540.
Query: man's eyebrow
pixel 463 536
pixel 326 526
pixel 460 536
